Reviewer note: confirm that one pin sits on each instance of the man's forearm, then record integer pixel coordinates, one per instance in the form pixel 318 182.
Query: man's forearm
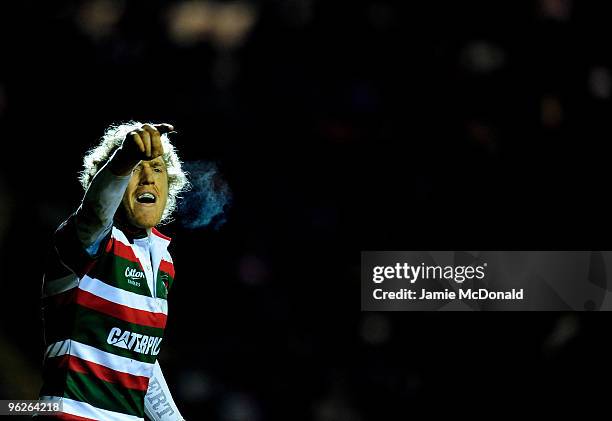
pixel 94 218
pixel 122 165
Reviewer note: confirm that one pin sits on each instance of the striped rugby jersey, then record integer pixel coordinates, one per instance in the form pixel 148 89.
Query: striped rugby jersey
pixel 104 319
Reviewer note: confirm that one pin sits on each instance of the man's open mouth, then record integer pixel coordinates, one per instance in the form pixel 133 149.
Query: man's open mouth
pixel 146 198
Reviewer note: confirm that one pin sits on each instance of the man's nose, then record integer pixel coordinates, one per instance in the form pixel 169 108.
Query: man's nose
pixel 146 176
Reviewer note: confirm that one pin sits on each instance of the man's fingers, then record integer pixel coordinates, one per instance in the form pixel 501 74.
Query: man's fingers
pixel 156 145
pixel 164 128
pixel 138 140
pixel 146 140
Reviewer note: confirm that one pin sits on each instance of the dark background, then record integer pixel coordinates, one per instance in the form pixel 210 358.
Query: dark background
pixel 340 127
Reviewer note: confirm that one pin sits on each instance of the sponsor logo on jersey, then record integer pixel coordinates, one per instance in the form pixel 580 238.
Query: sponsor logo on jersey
pixel 142 344
pixel 132 275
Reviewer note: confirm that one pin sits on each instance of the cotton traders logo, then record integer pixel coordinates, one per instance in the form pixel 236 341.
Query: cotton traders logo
pixel 132 273
pixel 142 344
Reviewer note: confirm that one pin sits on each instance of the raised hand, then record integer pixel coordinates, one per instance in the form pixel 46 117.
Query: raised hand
pixel 143 144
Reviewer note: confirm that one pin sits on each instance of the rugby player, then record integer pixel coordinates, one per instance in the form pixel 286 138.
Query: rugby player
pixel 106 284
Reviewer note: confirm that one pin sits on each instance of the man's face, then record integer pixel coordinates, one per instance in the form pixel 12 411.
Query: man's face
pixel 145 198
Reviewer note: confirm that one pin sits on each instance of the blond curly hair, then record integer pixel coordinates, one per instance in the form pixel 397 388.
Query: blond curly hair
pixel 112 139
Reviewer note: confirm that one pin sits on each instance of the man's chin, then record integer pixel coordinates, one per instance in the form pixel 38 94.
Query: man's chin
pixel 145 222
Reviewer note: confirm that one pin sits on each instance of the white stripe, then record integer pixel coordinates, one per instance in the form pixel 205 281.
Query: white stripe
pixel 123 297
pixel 58 348
pixel 112 361
pixel 53 348
pixel 119 235
pixel 82 409
pixel 65 348
pixel 57 286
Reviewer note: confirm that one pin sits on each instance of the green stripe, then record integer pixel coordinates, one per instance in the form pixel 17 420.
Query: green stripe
pixel 162 292
pixel 104 395
pixel 110 269
pixel 94 329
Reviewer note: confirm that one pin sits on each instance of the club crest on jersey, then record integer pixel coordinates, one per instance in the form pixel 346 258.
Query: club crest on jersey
pixel 142 344
pixel 164 278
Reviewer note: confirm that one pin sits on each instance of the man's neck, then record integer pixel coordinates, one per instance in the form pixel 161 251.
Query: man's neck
pixel 131 231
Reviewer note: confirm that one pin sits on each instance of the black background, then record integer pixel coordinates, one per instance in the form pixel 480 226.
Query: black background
pixel 342 126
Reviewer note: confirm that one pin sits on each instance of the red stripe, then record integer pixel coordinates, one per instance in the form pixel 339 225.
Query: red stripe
pixel 128 314
pixel 167 267
pixel 60 415
pixel 159 234
pixel 61 299
pixel 124 251
pixel 106 374
pixel 70 417
pixel 109 244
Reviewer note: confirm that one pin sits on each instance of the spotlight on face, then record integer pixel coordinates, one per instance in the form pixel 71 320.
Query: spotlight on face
pixel 145 198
